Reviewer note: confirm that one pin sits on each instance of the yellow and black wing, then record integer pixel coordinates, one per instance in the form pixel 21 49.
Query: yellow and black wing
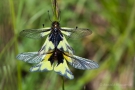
pixel 47 46
pixel 44 65
pixel 65 47
pixel 62 69
pixel 46 50
pixel 34 57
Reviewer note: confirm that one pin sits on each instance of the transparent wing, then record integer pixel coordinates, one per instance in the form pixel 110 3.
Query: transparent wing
pixel 76 33
pixel 80 63
pixel 30 57
pixel 35 33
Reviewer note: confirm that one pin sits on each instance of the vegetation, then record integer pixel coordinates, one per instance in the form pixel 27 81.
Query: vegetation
pixel 112 43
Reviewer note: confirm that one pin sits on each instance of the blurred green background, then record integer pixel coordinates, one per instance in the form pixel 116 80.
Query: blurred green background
pixel 112 43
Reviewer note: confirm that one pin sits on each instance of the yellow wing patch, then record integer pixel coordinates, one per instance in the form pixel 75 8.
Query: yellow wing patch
pixel 45 65
pixel 66 32
pixel 62 69
pixel 65 46
pixel 68 58
pixel 48 46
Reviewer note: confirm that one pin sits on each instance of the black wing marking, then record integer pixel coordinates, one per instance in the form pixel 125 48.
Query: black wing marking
pixel 76 33
pixel 35 33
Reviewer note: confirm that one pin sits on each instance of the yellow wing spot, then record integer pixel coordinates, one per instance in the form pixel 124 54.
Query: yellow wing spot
pixel 68 58
pixel 66 33
pixel 63 70
pixel 45 65
pixel 47 57
pixel 33 69
pixel 48 45
pixel 64 45
pixel 45 33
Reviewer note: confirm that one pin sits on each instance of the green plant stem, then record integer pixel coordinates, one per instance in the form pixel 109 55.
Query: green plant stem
pixel 55 10
pixel 134 74
pixel 63 83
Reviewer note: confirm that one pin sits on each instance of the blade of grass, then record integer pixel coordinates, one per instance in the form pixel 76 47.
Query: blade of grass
pixel 21 3
pixel 12 11
pixel 134 74
pixel 8 45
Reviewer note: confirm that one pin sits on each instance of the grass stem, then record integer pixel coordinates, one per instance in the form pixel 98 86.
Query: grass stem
pixel 55 10
pixel 12 11
pixel 63 88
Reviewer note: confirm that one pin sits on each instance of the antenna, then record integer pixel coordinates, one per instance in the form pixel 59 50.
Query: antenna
pixel 59 16
pixel 49 16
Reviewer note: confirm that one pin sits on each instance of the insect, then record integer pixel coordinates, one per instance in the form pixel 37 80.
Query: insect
pixel 56 48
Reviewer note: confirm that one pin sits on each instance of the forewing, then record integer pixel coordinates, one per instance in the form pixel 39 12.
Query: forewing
pixel 76 33
pixel 35 33
pixel 81 63
pixel 30 57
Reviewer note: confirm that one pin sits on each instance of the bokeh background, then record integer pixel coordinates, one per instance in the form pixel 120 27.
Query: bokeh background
pixel 111 45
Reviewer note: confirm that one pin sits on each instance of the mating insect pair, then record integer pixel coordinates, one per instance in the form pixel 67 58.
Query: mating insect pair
pixel 57 48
